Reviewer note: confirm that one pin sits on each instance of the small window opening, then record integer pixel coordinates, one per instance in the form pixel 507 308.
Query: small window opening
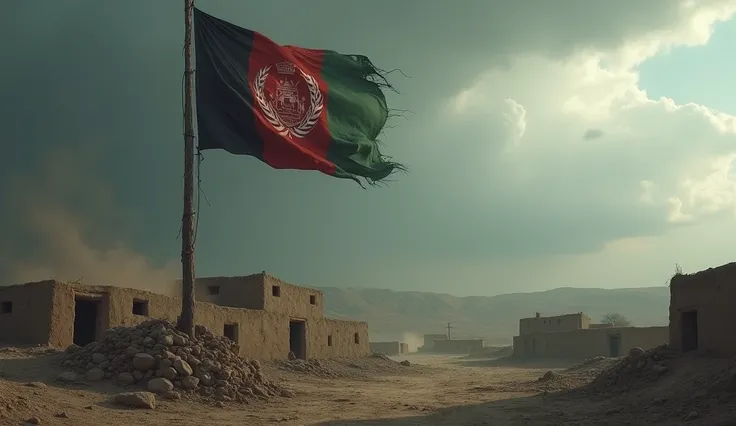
pixel 276 291
pixel 329 340
pixel 231 332
pixel 6 307
pixel 312 300
pixel 213 290
pixel 140 307
pixel 356 337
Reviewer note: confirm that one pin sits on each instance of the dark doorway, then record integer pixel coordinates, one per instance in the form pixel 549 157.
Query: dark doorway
pixel 231 332
pixel 298 339
pixel 689 331
pixel 614 345
pixel 85 321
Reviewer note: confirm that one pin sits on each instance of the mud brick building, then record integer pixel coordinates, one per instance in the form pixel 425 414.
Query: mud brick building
pixel 701 311
pixel 574 336
pixel 267 317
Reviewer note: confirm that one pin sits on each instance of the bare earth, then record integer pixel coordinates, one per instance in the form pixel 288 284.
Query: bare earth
pixel 433 390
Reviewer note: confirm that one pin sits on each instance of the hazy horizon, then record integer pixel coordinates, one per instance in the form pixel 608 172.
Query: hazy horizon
pixel 576 144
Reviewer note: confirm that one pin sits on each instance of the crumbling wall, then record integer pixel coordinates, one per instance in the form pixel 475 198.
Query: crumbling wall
pixel 588 343
pixel 387 348
pixel 403 348
pixel 711 294
pixel 25 312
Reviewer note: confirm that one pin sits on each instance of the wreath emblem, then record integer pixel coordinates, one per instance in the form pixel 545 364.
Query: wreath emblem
pixel 290 114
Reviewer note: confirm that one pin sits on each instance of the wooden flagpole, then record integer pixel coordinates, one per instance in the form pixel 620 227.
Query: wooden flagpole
pixel 186 319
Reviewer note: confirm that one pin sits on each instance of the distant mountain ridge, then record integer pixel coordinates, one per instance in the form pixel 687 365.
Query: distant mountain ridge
pixel 393 314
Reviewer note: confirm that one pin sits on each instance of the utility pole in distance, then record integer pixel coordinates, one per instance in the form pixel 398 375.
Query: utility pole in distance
pixel 449 327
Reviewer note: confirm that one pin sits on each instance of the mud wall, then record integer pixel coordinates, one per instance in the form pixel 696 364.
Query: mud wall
pixel 589 343
pixel 348 339
pixel 387 348
pixel 260 334
pixel 567 322
pixel 404 348
pixel 296 301
pixel 710 293
pixel 237 292
pixel 430 338
pixel 25 313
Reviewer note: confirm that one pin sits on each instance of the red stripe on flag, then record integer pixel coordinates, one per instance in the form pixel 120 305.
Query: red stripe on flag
pixel 290 105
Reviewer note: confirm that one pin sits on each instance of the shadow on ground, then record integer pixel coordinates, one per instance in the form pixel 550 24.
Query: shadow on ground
pixel 33 364
pixel 539 410
pixel 530 363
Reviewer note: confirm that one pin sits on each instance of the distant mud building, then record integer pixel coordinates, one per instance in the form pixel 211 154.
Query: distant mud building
pixel 265 316
pixel 701 311
pixel 390 348
pixel 574 336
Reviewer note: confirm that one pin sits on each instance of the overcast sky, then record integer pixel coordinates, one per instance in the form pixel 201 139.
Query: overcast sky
pixel 585 143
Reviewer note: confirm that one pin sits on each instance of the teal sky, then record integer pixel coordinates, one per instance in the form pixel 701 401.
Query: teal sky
pixel 531 165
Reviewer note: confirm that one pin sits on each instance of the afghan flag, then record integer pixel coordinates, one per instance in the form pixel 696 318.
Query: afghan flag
pixel 290 107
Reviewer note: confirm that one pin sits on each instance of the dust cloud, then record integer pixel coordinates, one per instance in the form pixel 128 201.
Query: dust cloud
pixel 413 340
pixel 70 225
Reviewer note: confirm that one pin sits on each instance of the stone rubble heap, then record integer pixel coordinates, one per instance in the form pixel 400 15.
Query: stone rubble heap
pixel 638 367
pixel 155 355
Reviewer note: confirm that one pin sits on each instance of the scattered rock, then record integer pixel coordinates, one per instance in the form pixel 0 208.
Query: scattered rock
pixel 160 385
pixel 189 382
pixel 125 379
pixel 143 362
pixel 67 377
pixel 405 363
pixel 287 393
pixel 291 356
pixel 62 415
pixel 40 385
pixel 98 358
pixel 172 395
pixel 34 421
pixel 548 376
pixel 636 352
pixel 94 375
pixel 136 399
pixel 692 416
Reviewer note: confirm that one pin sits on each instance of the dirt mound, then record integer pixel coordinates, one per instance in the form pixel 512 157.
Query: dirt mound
pixel 634 370
pixel 659 384
pixel 350 368
pixel 313 367
pixel 155 355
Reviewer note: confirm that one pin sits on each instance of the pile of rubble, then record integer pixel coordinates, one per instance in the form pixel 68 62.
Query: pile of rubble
pixel 638 367
pixel 167 362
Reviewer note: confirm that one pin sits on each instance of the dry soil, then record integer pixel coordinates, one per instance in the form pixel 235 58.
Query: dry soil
pixel 433 390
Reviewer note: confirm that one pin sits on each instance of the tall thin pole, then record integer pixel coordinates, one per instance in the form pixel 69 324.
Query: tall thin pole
pixel 449 327
pixel 186 319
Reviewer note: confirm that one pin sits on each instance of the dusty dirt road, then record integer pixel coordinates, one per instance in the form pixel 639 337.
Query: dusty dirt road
pixel 433 390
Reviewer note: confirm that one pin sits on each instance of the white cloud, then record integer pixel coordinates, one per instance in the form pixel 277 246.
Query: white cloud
pixel 656 154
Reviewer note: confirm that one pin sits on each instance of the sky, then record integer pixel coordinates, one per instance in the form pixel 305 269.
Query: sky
pixel 574 143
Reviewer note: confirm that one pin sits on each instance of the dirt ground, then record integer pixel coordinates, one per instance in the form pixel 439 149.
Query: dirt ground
pixel 433 390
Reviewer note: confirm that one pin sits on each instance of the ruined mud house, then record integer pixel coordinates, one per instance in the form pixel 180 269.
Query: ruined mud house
pixel 265 316
pixel 701 307
pixel 575 336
